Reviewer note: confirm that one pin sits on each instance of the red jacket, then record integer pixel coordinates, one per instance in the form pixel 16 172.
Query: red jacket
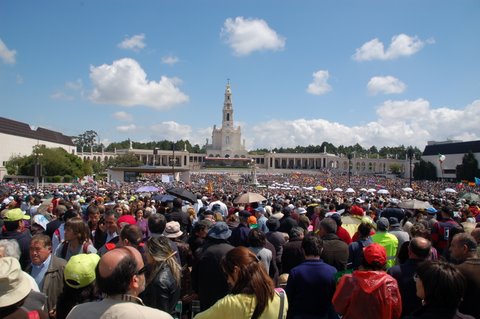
pixel 368 294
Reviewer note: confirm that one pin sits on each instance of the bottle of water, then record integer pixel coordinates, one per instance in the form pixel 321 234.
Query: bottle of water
pixel 178 310
pixel 195 307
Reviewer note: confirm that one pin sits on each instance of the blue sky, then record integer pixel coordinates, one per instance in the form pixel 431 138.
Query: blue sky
pixel 381 73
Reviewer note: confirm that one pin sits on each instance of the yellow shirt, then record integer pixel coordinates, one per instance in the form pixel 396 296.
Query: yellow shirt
pixel 241 306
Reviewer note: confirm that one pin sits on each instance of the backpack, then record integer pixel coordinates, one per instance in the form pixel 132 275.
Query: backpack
pixel 63 252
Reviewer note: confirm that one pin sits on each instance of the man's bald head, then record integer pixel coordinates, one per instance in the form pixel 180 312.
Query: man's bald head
pixel 116 270
pixel 419 247
pixel 476 234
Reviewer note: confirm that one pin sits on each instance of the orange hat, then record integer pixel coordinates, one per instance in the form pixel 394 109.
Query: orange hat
pixel 252 220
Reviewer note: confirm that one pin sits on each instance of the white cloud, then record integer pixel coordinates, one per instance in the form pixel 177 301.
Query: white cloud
pixel 319 86
pixel 401 45
pixel 75 85
pixel 61 96
pixel 171 130
pixel 7 55
pixel 170 60
pixel 385 85
pixel 123 116
pixel 135 43
pixel 127 128
pixel 407 122
pixel 245 36
pixel 125 83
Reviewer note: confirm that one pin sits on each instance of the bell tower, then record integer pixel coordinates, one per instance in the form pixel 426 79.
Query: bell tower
pixel 227 121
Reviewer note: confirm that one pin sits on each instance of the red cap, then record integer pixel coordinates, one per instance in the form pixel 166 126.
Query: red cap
pixel 375 252
pixel 356 210
pixel 126 219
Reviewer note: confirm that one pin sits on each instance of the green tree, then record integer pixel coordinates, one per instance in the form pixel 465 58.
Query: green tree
pixel 395 168
pixel 423 170
pixel 126 160
pixel 86 141
pixel 468 170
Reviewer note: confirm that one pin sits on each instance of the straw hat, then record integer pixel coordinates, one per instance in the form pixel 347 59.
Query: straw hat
pixel 14 285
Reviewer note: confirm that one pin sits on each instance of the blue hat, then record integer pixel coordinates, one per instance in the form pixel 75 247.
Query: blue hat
pixel 431 210
pixel 220 231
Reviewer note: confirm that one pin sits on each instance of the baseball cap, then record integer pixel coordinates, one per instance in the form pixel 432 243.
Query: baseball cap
pixel 15 214
pixel 80 270
pixel 382 223
pixel 126 219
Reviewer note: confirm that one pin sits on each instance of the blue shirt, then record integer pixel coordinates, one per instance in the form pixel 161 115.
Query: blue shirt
pixel 38 272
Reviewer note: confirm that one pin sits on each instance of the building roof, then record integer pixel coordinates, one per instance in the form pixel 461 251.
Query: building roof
pixel 16 128
pixel 452 148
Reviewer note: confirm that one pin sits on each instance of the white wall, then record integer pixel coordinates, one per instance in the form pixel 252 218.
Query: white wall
pixel 20 146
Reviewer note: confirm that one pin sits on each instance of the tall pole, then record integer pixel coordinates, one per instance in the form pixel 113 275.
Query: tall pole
pixel 349 155
pixel 410 157
pixel 173 160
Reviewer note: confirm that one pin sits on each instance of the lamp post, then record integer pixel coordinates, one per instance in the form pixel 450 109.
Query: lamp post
pixel 349 156
pixel 173 161
pixel 410 155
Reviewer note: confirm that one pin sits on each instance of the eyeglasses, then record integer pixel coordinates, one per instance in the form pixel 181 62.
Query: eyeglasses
pixel 141 271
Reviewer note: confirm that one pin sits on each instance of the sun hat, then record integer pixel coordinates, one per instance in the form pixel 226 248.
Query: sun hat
pixel 375 253
pixel 172 230
pixel 220 231
pixel 40 220
pixel 80 270
pixel 14 284
pixel 13 215
pixel 301 211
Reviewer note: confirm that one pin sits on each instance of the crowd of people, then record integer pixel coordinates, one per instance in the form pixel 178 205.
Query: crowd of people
pixel 305 249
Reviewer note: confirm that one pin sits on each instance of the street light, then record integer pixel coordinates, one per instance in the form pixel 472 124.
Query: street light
pixel 349 156
pixel 173 161
pixel 410 155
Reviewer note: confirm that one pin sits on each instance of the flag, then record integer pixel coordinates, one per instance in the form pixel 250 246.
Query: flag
pixel 477 181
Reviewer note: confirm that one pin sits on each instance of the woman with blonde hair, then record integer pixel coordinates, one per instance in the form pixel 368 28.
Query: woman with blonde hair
pixel 252 293
pixel 163 284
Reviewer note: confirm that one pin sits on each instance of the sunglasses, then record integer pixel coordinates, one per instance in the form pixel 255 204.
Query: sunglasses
pixel 141 271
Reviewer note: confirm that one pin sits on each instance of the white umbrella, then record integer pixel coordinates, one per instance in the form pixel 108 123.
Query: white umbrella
pixel 450 190
pixel 338 189
pixel 363 189
pixel 414 204
pixel 407 189
pixel 349 190
pixel 383 191
pixel 371 190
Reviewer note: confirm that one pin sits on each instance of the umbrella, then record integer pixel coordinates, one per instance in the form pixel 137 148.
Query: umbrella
pixel 450 190
pixel 414 204
pixel 183 194
pixel 471 197
pixel 249 197
pixel 383 191
pixel 363 189
pixel 146 189
pixel 349 190
pixel 319 188
pixel 407 189
pixel 163 197
pixel 338 189
pixel 371 190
